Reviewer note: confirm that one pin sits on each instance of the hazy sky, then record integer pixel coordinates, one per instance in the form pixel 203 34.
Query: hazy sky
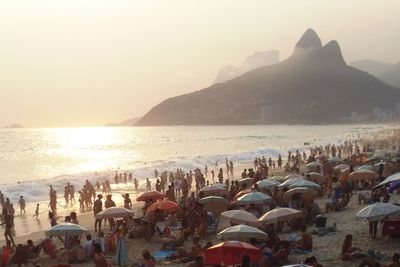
pixel 85 63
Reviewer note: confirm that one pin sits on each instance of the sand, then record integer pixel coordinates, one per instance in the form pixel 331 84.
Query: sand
pixel 326 248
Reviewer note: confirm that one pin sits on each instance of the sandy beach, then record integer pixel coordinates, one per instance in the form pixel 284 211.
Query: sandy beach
pixel 326 248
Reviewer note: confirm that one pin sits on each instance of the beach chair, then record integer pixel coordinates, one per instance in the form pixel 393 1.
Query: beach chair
pixel 340 205
pixel 49 248
pixel 391 227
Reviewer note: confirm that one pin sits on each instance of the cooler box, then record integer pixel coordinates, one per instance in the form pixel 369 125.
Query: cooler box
pixel 391 227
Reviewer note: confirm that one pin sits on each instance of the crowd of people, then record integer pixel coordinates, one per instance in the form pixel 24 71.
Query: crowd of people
pixel 192 221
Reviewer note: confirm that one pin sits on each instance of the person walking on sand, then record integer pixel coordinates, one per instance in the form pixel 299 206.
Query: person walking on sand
pixel 36 215
pixel 21 204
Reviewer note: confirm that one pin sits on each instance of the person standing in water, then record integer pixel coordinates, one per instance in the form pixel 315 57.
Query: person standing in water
pixel 36 215
pixel 21 204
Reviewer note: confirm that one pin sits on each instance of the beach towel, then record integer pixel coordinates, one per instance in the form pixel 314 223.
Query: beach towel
pixel 163 254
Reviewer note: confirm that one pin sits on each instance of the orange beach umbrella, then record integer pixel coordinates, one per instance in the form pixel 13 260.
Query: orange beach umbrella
pixel 163 205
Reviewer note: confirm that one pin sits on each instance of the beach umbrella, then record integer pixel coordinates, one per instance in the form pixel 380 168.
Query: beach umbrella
pixel 307 184
pixel 314 165
pixel 304 191
pixel 366 167
pixel 280 215
pixel 363 175
pixel 291 181
pixel 341 167
pixel 391 178
pixel 266 184
pixel 240 232
pixel 153 195
pixel 163 205
pixel 275 179
pixel 315 176
pixel 334 160
pixel 231 253
pixel 394 186
pixel 67 230
pixel 212 190
pixel 215 204
pixel 379 155
pixel 242 193
pixel 121 257
pixel 294 175
pixel 247 181
pixel 114 212
pixel 377 211
pixel 240 217
pixel 253 198
pixel 278 178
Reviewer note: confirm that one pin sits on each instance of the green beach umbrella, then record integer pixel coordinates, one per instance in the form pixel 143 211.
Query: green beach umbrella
pixel 253 198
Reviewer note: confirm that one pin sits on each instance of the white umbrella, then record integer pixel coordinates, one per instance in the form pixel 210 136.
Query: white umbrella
pixel 280 215
pixel 240 216
pixel 377 211
pixel 114 212
pixel 240 232
pixel 290 182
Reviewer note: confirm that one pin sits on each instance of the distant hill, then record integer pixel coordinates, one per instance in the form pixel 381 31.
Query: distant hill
pixel 14 125
pixel 387 72
pixel 313 86
pixel 373 67
pixel 258 59
pixel 128 122
pixel 392 76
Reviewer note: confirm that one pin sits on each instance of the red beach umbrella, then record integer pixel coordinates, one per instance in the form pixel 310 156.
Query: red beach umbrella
pixel 153 195
pixel 230 253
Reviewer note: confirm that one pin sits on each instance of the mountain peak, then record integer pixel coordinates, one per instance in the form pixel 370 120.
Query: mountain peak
pixel 309 39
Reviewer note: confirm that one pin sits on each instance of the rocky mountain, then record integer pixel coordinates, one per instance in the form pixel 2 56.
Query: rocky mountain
pixel 313 86
pixel 258 59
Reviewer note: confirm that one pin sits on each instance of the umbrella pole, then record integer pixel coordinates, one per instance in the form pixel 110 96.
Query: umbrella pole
pixel 66 243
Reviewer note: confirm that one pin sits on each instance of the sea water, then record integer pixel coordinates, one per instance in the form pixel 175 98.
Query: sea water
pixel 33 159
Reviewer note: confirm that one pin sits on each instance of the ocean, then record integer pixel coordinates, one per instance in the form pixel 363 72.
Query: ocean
pixel 31 159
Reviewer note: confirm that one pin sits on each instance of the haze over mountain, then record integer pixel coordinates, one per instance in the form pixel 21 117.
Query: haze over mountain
pixel 313 86
pixel 372 66
pixel 256 60
pixel 387 72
